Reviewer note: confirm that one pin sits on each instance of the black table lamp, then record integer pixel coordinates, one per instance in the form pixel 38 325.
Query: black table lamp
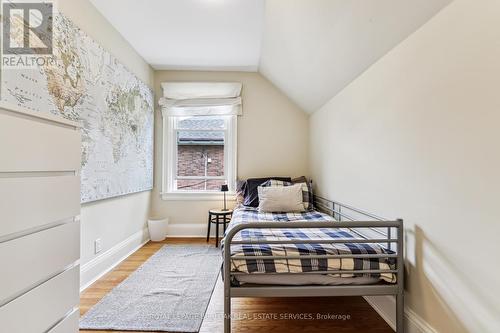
pixel 224 188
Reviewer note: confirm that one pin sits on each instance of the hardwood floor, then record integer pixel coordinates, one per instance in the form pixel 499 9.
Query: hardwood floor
pixel 276 315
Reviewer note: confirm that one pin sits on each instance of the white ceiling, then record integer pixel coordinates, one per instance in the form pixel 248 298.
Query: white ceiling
pixel 310 49
pixel 190 34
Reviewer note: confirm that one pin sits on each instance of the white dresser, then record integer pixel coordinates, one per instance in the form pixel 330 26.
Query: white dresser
pixel 39 223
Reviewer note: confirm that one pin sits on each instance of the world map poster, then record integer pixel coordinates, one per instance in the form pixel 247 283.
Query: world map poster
pixel 85 83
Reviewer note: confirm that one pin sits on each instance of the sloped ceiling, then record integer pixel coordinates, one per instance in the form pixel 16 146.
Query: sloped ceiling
pixel 312 49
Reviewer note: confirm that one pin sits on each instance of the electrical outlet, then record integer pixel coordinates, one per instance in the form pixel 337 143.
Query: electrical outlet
pixel 97 245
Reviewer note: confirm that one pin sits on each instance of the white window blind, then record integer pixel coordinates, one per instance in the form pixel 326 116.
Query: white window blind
pixel 201 99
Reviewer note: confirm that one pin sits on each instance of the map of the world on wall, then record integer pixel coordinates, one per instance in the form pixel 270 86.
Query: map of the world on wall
pixel 87 84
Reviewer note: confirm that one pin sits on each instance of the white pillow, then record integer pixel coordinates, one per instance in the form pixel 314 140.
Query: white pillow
pixel 281 199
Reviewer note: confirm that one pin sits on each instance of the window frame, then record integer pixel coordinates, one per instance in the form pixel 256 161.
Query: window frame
pixel 170 162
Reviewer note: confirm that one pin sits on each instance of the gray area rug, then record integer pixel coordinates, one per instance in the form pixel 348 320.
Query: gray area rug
pixel 169 292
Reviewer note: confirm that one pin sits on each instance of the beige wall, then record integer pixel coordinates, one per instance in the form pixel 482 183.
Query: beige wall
pixel 272 140
pixel 417 136
pixel 112 220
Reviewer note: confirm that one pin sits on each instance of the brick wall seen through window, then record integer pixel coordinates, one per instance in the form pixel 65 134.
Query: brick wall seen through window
pixel 200 160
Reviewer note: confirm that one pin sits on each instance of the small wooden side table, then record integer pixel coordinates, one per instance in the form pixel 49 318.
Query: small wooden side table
pixel 218 216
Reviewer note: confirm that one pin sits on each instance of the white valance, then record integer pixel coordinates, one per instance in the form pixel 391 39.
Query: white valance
pixel 201 98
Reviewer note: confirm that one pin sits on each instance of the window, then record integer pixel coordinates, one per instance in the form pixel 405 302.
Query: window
pixel 199 155
pixel 199 138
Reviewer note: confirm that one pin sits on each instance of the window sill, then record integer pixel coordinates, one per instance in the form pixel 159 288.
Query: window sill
pixel 197 196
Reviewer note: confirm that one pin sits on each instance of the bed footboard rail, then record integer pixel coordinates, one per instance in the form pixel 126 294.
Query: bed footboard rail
pixel 391 238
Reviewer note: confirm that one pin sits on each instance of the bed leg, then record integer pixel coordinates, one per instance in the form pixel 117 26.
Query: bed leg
pixel 400 313
pixel 400 304
pixel 227 313
pixel 227 280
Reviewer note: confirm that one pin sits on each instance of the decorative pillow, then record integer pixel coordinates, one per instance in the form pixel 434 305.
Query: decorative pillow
pixel 307 191
pixel 240 195
pixel 250 193
pixel 280 199
pixel 275 182
pixel 307 197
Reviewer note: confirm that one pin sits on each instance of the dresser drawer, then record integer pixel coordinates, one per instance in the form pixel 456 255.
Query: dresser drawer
pixel 43 307
pixel 32 259
pixel 32 144
pixel 30 202
pixel 68 324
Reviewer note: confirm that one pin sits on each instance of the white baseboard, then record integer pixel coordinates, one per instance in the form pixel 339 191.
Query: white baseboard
pixel 102 264
pixel 386 308
pixel 187 230
pixel 190 230
pixel 415 323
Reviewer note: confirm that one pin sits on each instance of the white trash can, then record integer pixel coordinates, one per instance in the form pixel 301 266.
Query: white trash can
pixel 157 228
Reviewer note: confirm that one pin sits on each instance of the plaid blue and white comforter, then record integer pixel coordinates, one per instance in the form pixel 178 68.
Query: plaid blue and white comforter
pixel 247 214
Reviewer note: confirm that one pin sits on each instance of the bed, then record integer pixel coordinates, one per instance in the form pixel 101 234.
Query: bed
pixel 334 250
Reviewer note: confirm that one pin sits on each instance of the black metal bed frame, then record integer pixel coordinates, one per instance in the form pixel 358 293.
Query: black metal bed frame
pixel 343 215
